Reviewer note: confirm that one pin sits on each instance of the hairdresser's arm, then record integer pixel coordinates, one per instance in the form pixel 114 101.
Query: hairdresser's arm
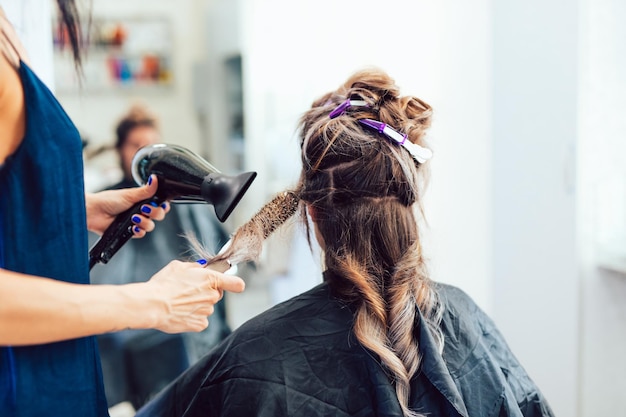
pixel 177 299
pixel 103 207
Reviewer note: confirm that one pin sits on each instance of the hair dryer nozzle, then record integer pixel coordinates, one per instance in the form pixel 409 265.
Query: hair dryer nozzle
pixel 187 177
pixel 224 191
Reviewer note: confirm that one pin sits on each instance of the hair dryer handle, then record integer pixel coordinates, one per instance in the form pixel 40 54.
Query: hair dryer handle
pixel 117 234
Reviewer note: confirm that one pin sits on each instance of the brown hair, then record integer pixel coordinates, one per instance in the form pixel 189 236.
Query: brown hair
pixel 70 27
pixel 365 193
pixel 137 116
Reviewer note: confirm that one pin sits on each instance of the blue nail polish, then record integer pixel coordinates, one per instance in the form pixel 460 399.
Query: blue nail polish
pixel 154 204
pixel 136 229
pixel 146 209
pixel 136 219
pixel 163 205
pixel 150 180
pixel 201 261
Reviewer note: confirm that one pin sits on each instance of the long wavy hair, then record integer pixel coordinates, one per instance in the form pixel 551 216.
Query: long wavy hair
pixel 364 193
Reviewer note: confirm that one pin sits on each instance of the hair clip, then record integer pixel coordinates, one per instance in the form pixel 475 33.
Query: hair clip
pixel 419 153
pixel 340 109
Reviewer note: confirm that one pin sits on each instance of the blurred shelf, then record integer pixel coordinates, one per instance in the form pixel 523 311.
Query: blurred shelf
pixel 120 55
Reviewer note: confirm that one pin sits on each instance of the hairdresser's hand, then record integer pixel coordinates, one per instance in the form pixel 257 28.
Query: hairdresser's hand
pixel 187 293
pixel 104 206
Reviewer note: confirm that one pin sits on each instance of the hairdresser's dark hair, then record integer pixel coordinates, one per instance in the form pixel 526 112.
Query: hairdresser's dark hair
pixel 365 191
pixel 70 26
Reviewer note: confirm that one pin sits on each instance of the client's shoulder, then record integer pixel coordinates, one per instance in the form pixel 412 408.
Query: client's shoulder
pixel 313 312
pixel 454 299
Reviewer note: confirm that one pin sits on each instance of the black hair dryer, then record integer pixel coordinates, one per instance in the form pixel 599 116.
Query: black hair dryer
pixel 184 177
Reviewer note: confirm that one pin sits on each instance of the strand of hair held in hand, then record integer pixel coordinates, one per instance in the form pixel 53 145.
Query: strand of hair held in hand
pixel 247 241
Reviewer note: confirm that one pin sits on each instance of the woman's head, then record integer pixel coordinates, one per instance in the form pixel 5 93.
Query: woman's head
pixel 361 183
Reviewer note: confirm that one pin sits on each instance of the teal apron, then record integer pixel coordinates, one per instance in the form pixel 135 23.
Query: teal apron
pixel 44 233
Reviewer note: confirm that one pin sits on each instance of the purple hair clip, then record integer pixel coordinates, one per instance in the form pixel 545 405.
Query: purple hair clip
pixel 419 153
pixel 340 109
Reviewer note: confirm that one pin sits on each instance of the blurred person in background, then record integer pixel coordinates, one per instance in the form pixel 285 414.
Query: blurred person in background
pixel 138 363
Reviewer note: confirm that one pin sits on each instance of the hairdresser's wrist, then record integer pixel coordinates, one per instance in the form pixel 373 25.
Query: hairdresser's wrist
pixel 90 202
pixel 142 305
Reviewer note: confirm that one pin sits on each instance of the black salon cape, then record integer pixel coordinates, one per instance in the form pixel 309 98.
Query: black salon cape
pixel 300 358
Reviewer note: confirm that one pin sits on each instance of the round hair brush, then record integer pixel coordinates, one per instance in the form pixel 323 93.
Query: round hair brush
pixel 247 241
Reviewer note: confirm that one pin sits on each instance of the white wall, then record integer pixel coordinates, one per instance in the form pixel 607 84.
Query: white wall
pixel 602 199
pixel 222 23
pixel 535 132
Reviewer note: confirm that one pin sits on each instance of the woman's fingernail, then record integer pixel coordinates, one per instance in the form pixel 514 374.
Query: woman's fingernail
pixel 136 219
pixel 154 204
pixel 150 180
pixel 146 209
pixel 201 261
pixel 164 205
pixel 136 229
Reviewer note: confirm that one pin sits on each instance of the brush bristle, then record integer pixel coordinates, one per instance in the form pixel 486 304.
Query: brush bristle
pixel 247 242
